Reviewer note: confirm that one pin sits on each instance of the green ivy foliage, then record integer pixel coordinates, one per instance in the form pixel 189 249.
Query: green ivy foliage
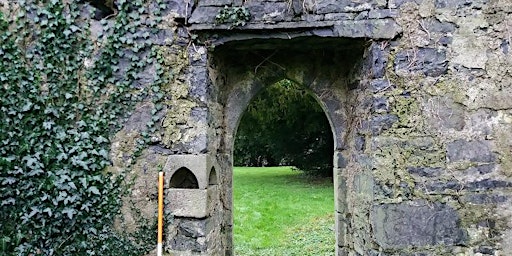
pixel 235 16
pixel 59 113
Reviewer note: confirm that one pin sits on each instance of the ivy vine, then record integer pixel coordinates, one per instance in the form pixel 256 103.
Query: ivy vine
pixel 235 16
pixel 62 98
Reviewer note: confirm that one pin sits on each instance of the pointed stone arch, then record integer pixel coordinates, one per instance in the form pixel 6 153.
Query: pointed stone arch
pixel 328 68
pixel 184 178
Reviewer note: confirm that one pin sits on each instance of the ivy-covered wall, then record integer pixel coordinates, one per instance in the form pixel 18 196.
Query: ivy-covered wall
pixel 83 92
pixel 98 96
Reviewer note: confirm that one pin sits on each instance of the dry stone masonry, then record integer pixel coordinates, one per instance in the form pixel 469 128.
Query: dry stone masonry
pixel 418 94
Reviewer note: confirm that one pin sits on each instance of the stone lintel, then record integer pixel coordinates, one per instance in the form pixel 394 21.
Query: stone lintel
pixel 374 28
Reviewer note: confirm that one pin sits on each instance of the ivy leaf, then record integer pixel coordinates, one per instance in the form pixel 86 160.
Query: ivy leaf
pixel 94 190
pixel 48 125
pixel 9 201
pixel 69 212
pixel 48 211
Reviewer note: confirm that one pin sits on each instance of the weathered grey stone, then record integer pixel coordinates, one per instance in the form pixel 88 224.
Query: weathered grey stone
pixel 364 186
pixel 204 14
pixel 380 105
pixel 381 123
pixel 192 227
pixel 380 85
pixel 188 202
pixel 341 229
pixel 446 114
pixel 380 28
pixel 267 11
pixel 326 6
pixel 298 7
pixel 380 14
pixel 429 61
pixel 488 184
pixel 454 4
pixel 193 203
pixel 340 191
pixel 339 160
pixel 505 46
pixel 480 169
pixel 399 3
pixel 434 25
pixel 359 143
pixel 362 16
pixel 445 40
pixel 487 250
pixel 485 198
pixel 199 83
pixel 339 16
pixel 416 223
pixel 378 57
pixel 474 151
pixel 440 187
pixel 179 8
pixel 139 119
pixel 185 243
pixel 425 171
pixel 199 165
pixel 219 3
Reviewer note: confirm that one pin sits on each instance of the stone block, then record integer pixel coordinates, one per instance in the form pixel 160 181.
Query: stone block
pixel 329 6
pixel 376 28
pixel 201 166
pixel 179 8
pixel 340 191
pixel 441 187
pixel 428 172
pixel 416 223
pixel 487 184
pixel 340 16
pixel 364 186
pixel 429 61
pixel 339 160
pixel 220 3
pixel 341 229
pixel 485 198
pixel 446 114
pixel 378 59
pixel 380 123
pixel 380 105
pixel 204 14
pixel 194 203
pixel 380 84
pixel 380 14
pixel 473 151
pixel 434 25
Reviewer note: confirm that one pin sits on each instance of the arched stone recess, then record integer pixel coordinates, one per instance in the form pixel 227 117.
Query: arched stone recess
pixel 328 68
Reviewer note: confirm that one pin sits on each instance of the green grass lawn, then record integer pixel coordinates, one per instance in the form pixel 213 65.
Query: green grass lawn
pixel 280 212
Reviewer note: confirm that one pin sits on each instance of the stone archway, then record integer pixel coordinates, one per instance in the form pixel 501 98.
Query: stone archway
pixel 327 67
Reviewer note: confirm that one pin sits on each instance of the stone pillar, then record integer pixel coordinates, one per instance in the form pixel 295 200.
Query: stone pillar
pixel 194 203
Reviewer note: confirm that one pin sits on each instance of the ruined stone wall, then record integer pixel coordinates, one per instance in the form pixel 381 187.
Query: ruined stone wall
pixel 421 115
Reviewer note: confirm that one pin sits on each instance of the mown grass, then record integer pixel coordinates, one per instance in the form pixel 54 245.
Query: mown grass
pixel 277 211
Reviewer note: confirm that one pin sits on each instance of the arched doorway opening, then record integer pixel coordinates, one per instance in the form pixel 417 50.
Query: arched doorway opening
pixel 328 67
pixel 288 206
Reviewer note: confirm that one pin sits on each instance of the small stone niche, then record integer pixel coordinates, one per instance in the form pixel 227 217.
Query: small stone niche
pixel 184 178
pixel 193 190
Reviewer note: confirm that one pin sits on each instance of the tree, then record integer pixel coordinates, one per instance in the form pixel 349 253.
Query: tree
pixel 285 125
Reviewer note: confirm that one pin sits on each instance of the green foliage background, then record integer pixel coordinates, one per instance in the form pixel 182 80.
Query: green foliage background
pixel 58 115
pixel 285 125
